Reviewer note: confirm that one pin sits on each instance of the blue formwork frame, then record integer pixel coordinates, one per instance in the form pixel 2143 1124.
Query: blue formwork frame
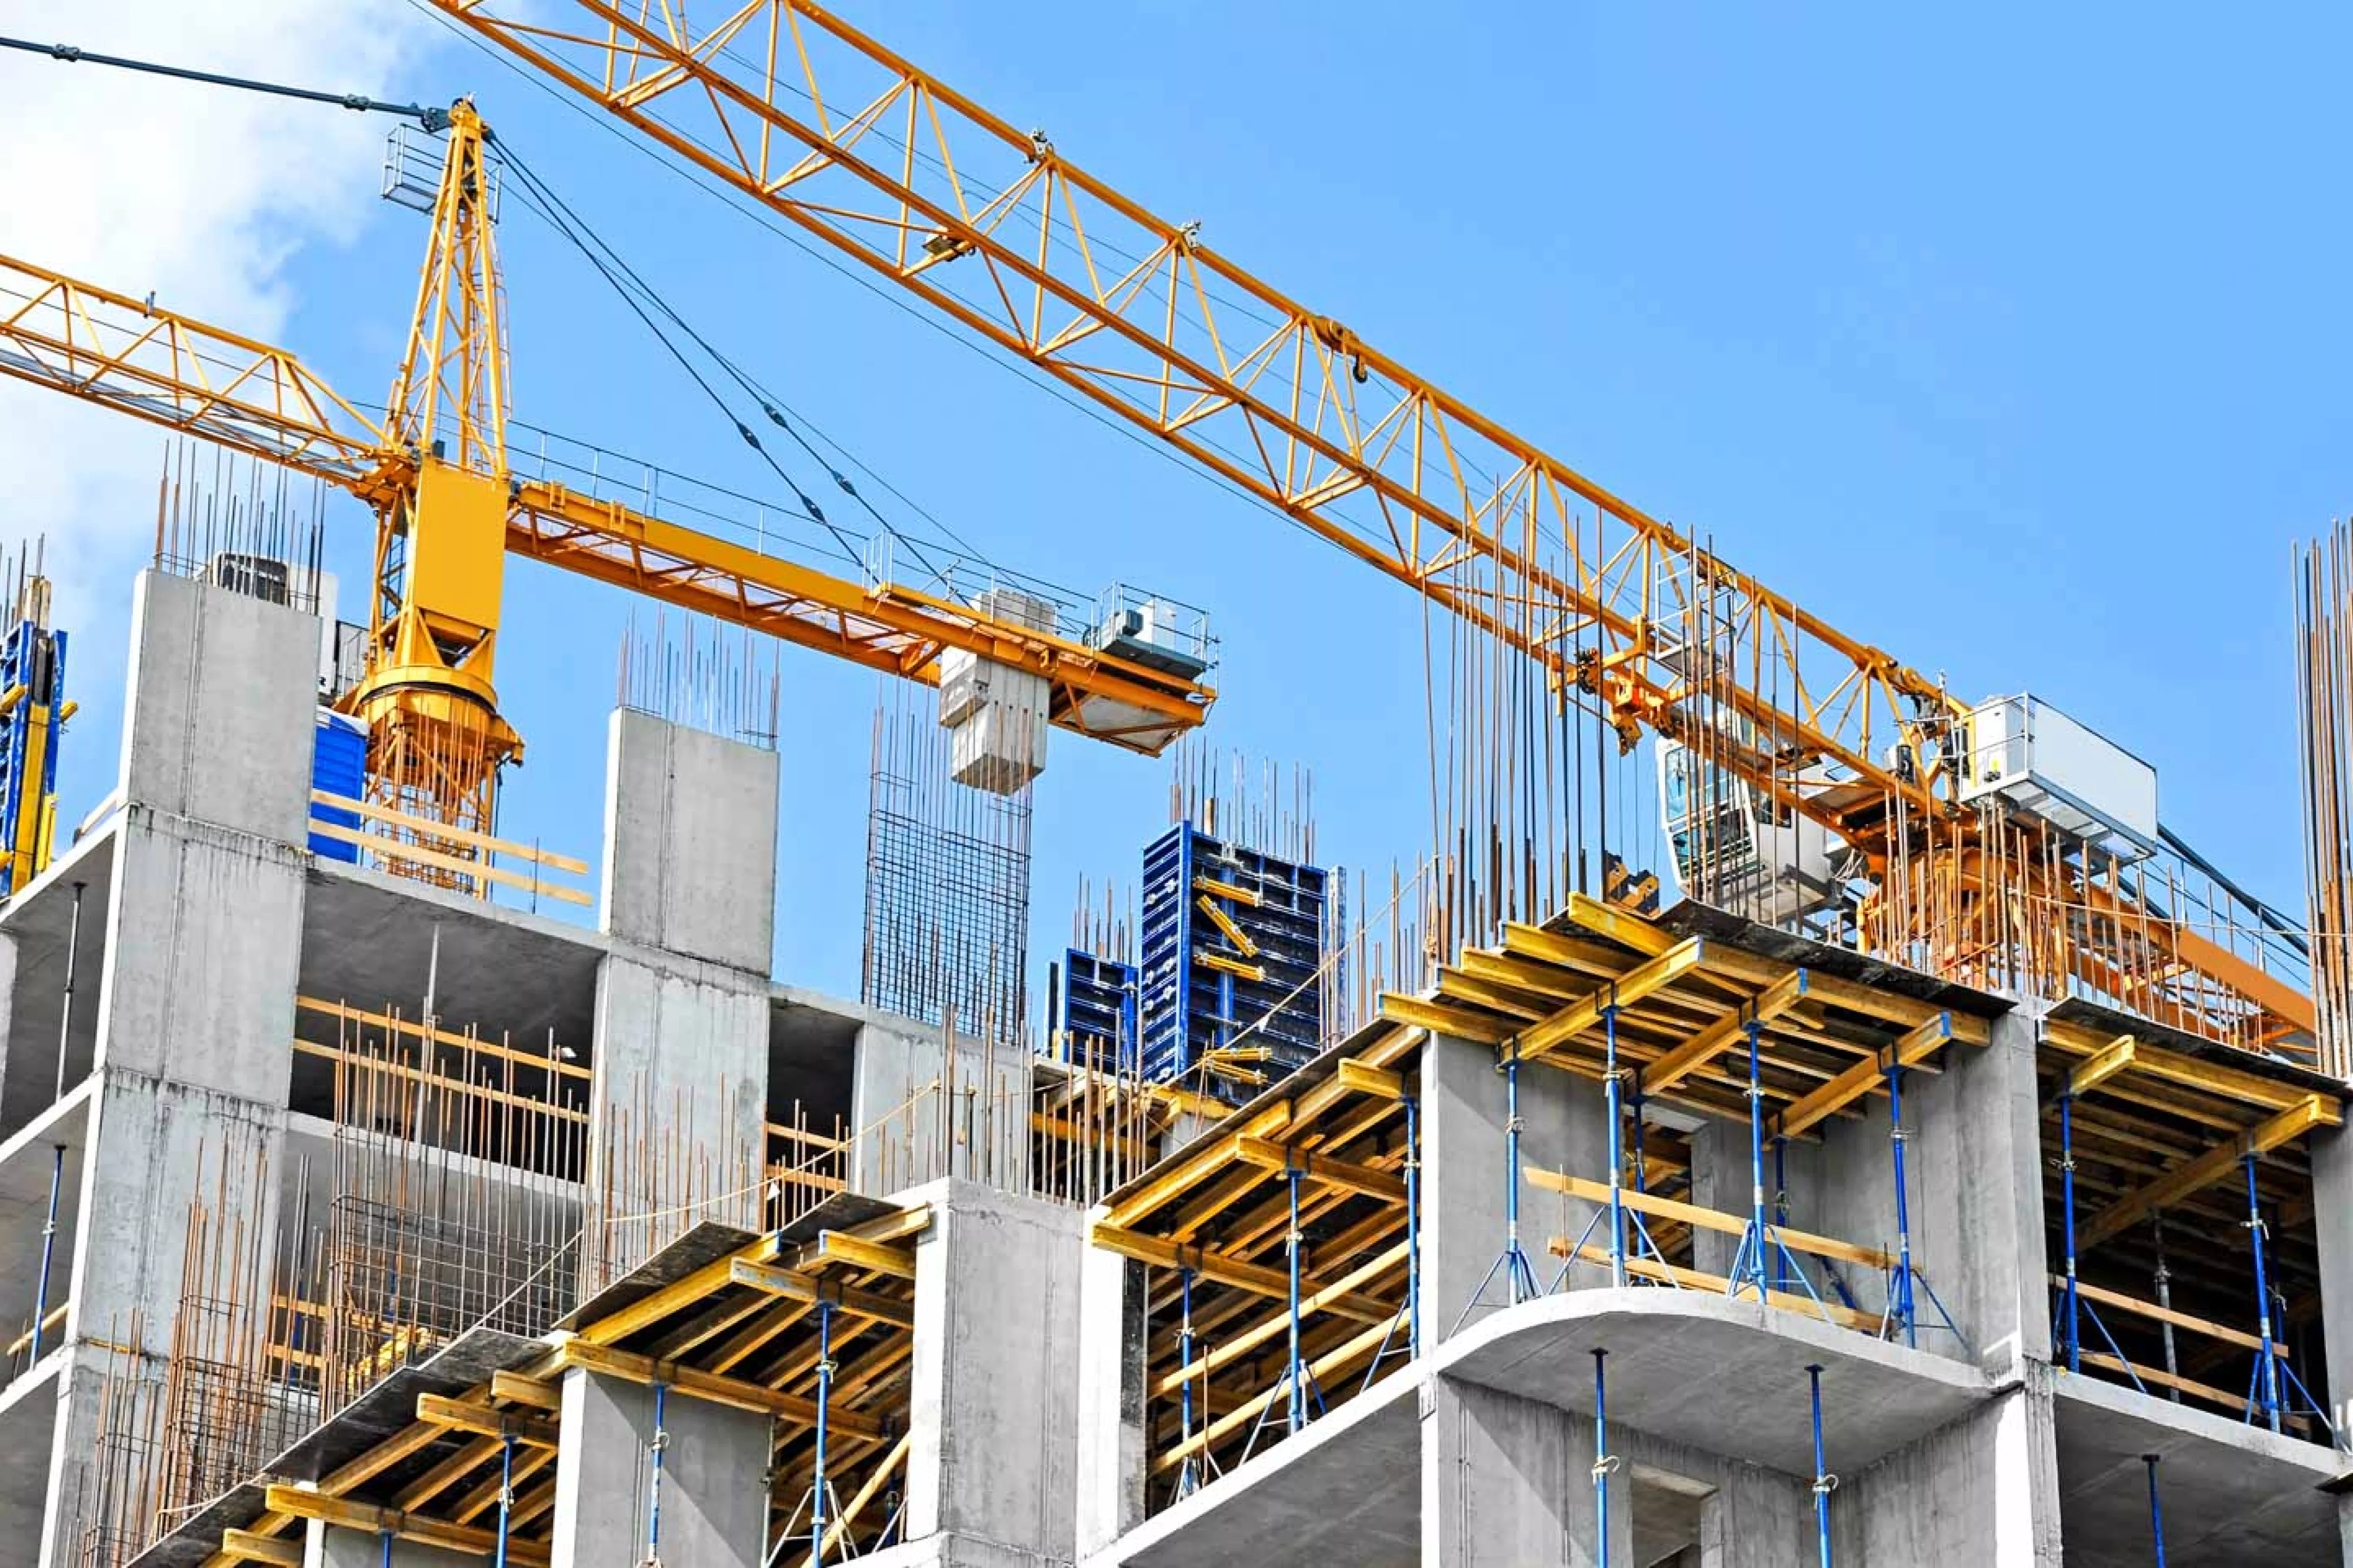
pixel 1825 1483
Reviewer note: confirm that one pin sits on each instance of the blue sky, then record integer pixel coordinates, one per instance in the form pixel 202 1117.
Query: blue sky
pixel 2009 341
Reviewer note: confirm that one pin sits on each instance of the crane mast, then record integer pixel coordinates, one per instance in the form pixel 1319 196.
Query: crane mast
pixel 995 227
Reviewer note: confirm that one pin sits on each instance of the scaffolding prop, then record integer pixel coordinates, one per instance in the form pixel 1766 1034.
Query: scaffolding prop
pixel 1604 1463
pixel 1760 1241
pixel 2075 1308
pixel 1298 1384
pixel 1511 1264
pixel 1825 1483
pixel 1408 1312
pixel 1622 1220
pixel 2273 1386
pixel 2156 1513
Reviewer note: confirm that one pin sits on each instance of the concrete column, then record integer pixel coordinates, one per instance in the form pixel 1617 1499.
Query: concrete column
pixel 690 842
pixel 993 1413
pixel 195 994
pixel 326 1546
pixel 1508 1483
pixel 1977 1224
pixel 1983 1489
pixel 1565 1126
pixel 714 1483
pixel 1109 1377
pixel 2332 1211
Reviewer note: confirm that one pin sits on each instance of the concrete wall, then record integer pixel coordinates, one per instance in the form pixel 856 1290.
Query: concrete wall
pixel 1111 1456
pixel 324 1546
pixel 1508 1483
pixel 715 1466
pixel 993 1410
pixel 1983 1489
pixel 1565 1126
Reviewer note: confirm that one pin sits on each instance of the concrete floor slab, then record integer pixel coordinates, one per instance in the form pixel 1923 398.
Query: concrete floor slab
pixel 1346 1490
pixel 1724 1376
pixel 2232 1493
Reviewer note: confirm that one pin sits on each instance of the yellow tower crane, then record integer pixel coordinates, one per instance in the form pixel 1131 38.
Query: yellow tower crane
pixel 451 508
pixel 991 225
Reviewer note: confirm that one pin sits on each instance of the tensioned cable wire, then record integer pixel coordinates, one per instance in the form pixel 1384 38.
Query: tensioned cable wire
pixel 626 281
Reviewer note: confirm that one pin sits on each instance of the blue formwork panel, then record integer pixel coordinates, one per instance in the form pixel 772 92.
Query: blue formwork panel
pixel 1199 989
pixel 1098 1021
pixel 33 659
pixel 338 766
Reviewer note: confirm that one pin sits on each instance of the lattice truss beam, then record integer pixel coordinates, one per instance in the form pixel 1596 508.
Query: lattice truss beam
pixel 178 371
pixel 740 1331
pixel 993 226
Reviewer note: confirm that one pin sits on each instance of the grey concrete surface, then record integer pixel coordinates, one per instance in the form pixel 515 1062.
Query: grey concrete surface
pixel 28 1422
pixel 221 699
pixel 690 842
pixel 1346 1490
pixel 1725 1376
pixel 1464 1098
pixel 1110 1479
pixel 2231 1494
pixel 992 1414
pixel 714 1480
pixel 1982 1489
pixel 34 926
pixel 1510 1482
pixel 28 1165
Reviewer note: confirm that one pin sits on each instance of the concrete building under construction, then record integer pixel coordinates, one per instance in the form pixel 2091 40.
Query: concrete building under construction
pixel 1871 1157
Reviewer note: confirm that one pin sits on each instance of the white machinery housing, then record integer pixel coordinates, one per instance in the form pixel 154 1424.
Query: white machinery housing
pixel 1736 848
pixel 2059 772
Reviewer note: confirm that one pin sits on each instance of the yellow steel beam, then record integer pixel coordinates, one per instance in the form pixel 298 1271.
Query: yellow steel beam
pixel 1917 1046
pixel 1359 1077
pixel 1206 1159
pixel 2215 1164
pixel 1708 1219
pixel 1225 922
pixel 1681 1061
pixel 850 1251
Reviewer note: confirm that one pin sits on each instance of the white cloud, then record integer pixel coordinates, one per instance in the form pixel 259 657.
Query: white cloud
pixel 198 193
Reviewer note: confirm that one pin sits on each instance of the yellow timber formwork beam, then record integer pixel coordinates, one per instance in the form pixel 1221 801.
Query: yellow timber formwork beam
pixel 300 1502
pixel 1320 1168
pixel 1211 1265
pixel 714 1388
pixel 2215 1164
pixel 1705 1046
pixel 1543 1039
pixel 2180 1068
pixel 1717 1220
pixel 245 1546
pixel 1919 1043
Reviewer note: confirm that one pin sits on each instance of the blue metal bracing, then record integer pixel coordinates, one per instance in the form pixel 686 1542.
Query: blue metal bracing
pixel 1098 1025
pixel 33 659
pixel 1201 991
